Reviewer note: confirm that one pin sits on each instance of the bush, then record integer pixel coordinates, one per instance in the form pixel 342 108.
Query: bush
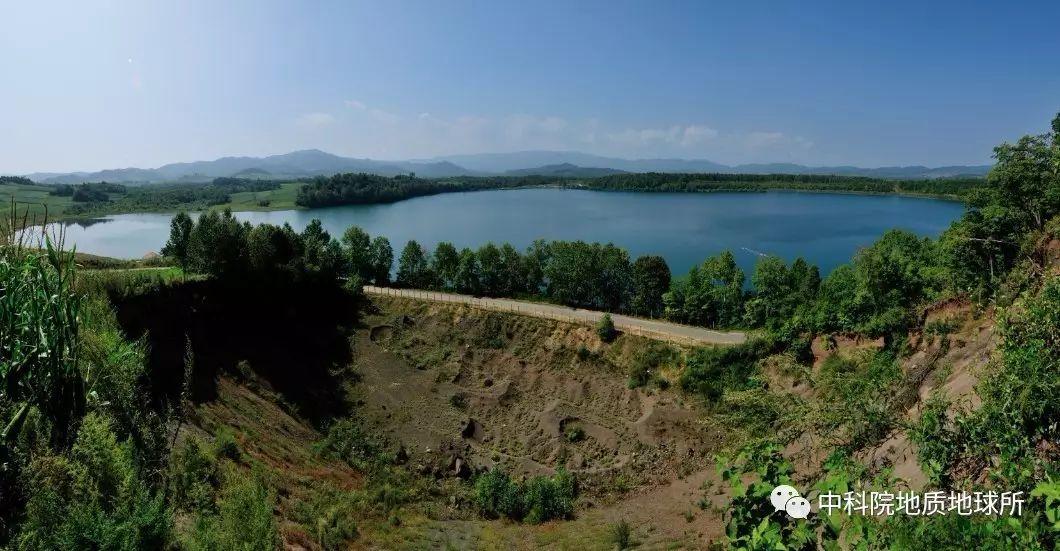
pixel 244 519
pixel 93 498
pixel 225 445
pixel 646 364
pixel 711 371
pixel 621 535
pixel 605 328
pixel 575 434
pixel 496 495
pixel 193 476
pixel 538 500
pixel 347 441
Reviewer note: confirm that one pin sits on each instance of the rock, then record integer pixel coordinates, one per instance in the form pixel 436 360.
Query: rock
pixel 460 468
pixel 471 429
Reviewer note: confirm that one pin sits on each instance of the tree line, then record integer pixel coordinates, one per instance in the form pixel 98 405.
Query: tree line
pixel 361 188
pixel 355 189
pixel 105 197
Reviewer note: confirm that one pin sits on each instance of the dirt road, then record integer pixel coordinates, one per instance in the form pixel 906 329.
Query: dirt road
pixel 655 329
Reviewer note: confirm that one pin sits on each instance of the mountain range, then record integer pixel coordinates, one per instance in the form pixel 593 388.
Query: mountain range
pixel 313 162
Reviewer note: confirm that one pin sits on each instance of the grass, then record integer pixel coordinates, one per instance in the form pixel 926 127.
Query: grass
pixel 36 200
pixel 278 199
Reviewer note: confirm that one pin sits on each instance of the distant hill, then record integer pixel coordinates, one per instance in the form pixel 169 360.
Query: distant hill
pixel 313 162
pixel 504 162
pixel 565 170
pixel 252 173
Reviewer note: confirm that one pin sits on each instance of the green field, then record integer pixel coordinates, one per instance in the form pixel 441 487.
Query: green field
pixel 277 199
pixel 34 199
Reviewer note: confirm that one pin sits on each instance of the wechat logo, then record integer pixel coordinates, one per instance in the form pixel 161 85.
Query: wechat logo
pixel 786 498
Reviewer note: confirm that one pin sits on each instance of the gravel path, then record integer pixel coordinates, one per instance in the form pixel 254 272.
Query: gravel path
pixel 655 329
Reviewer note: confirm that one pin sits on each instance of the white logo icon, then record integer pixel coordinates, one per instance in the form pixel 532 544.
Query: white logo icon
pixel 798 507
pixel 785 498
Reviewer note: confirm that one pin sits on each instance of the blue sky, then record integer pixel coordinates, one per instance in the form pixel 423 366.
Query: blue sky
pixel 91 85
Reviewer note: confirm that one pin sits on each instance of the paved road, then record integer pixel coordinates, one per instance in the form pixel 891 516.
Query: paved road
pixel 662 330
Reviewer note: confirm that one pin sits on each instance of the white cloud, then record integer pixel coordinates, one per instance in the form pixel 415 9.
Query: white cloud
pixel 686 136
pixel 365 130
pixel 315 120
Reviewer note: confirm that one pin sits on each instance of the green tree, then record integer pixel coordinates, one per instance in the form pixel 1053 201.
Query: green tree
pixel 534 261
pixel 467 274
pixel 217 245
pixel 513 271
pixel 491 272
pixel 382 260
pixel 712 294
pixel 357 246
pixel 413 267
pixel 774 290
pixel 179 239
pixel 893 275
pixel 615 277
pixel 651 280
pixel 322 256
pixel 445 264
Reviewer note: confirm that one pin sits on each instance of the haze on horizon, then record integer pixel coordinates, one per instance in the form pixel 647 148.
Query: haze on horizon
pixel 119 83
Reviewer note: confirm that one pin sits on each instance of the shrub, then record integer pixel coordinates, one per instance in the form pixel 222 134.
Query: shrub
pixel 538 500
pixel 605 328
pixel 193 476
pixel 621 535
pixel 328 514
pixel 244 519
pixel 575 434
pixel 496 495
pixel 225 445
pixel 550 498
pixel 347 441
pixel 93 498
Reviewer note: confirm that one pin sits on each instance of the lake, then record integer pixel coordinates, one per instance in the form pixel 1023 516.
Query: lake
pixel 685 228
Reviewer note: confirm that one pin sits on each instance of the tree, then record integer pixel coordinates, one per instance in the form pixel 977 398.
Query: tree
pixel 651 280
pixel 893 275
pixel 274 252
pixel 321 255
pixel 357 246
pixel 491 271
pixel 413 268
pixel 445 264
pixel 513 272
pixel 773 292
pixel 179 239
pixel 712 294
pixel 615 277
pixel 1026 176
pixel 217 245
pixel 467 274
pixel 534 261
pixel 382 260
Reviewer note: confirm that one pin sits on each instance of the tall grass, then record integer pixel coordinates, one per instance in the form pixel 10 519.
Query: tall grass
pixel 38 333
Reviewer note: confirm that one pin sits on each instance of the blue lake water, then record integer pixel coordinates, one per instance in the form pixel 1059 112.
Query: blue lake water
pixel 685 228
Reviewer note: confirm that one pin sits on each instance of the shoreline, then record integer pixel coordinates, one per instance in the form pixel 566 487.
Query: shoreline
pixel 72 219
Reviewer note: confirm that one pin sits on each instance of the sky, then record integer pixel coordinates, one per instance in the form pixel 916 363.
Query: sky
pixel 108 84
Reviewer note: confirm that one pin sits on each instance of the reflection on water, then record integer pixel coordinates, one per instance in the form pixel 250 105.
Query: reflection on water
pixel 684 228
